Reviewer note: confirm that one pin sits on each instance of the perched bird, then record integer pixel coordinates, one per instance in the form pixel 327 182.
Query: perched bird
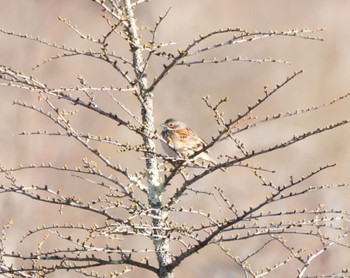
pixel 183 141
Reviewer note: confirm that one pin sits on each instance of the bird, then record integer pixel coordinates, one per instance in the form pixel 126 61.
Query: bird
pixel 182 141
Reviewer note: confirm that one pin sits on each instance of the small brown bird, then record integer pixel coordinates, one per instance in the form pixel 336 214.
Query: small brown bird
pixel 183 141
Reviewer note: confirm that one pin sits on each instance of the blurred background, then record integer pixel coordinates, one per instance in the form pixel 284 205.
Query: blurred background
pixel 325 77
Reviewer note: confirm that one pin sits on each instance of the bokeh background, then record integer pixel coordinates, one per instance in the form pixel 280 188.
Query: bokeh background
pixel 326 77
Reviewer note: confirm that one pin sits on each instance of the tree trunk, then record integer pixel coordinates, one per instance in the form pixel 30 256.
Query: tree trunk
pixel 155 187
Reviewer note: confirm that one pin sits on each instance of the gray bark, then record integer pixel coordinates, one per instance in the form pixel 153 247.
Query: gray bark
pixel 160 241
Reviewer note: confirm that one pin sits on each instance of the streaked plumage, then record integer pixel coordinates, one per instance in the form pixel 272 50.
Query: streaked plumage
pixel 183 141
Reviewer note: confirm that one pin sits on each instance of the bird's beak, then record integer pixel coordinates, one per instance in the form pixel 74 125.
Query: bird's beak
pixel 163 125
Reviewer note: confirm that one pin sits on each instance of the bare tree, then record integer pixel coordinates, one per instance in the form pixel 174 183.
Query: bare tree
pixel 148 203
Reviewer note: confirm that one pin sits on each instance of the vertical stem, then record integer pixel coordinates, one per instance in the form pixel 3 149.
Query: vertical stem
pixel 160 241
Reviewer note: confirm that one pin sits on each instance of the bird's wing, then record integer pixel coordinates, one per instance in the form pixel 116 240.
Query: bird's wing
pixel 190 138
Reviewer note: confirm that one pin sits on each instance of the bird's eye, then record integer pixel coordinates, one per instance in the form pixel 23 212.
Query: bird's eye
pixel 170 124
